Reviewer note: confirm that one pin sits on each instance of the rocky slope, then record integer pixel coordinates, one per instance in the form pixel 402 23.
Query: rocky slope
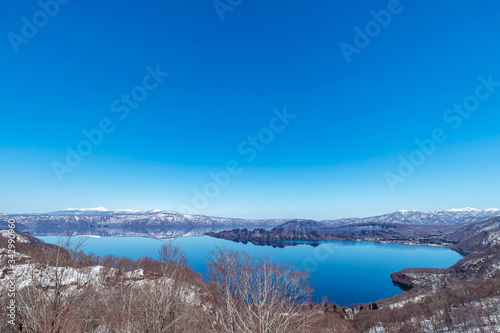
pixel 476 237
pixel 480 265
pixel 479 242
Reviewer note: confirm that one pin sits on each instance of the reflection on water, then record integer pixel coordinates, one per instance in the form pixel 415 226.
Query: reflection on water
pixel 161 233
pixel 346 271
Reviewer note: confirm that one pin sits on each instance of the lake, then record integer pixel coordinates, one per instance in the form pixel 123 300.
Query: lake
pixel 345 271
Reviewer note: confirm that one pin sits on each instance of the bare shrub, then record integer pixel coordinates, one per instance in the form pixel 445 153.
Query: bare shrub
pixel 160 296
pixel 255 294
pixel 57 295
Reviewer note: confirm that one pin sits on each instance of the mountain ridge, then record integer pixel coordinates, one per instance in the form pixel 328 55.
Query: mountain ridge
pixel 437 217
pixel 101 221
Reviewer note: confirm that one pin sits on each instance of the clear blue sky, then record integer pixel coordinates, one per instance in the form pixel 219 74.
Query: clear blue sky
pixel 354 120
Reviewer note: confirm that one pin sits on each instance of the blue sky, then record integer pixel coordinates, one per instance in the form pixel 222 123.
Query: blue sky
pixel 350 124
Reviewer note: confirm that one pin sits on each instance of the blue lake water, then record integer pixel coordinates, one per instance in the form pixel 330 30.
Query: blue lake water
pixel 347 272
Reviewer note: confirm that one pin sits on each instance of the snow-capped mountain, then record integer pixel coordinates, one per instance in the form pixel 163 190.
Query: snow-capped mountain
pixel 438 217
pixel 102 221
pixel 98 211
pixel 101 216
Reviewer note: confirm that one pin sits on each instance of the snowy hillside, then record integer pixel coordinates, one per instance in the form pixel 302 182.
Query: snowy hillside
pixel 438 217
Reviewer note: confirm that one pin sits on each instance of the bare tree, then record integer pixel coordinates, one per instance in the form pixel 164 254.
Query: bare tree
pixel 56 292
pixel 258 295
pixel 158 297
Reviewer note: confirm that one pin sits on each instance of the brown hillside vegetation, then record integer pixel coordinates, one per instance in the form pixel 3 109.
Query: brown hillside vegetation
pixel 62 289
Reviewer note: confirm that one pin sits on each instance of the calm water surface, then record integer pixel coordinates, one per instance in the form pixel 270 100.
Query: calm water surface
pixel 347 272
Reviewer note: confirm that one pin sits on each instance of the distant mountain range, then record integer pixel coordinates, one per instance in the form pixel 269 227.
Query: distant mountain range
pixel 438 217
pixel 101 221
pixel 99 211
pixel 463 238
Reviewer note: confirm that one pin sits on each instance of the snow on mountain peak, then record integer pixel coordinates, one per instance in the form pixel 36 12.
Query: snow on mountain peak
pixel 466 209
pixel 96 209
pixel 406 211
